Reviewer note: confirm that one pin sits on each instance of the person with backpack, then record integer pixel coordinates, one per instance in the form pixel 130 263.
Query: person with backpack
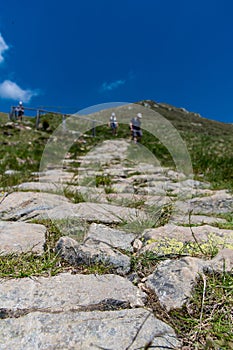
pixel 135 127
pixel 113 124
pixel 20 111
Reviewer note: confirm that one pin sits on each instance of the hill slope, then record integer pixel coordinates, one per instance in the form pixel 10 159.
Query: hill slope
pixel 209 142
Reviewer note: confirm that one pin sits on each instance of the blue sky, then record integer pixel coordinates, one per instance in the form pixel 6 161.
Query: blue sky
pixel 78 53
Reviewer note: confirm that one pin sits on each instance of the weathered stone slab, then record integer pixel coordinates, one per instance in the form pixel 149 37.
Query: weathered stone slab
pixel 40 186
pixel 92 193
pixel 184 189
pixel 103 213
pixel 195 220
pixel 86 191
pixel 158 188
pixel 171 235
pixel 194 184
pixel 147 178
pixel 56 176
pixel 91 253
pixel 173 280
pixel 112 237
pixel 127 198
pixel 146 168
pixel 157 200
pixel 124 329
pixel 175 175
pixel 24 205
pixel 117 171
pixel 67 292
pixel 123 187
pixel 19 237
pixel 222 262
pixel 219 203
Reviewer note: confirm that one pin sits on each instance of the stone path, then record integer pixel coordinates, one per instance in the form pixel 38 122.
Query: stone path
pixel 129 207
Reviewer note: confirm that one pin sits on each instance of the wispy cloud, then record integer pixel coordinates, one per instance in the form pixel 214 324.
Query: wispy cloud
pixel 10 90
pixel 3 47
pixel 113 85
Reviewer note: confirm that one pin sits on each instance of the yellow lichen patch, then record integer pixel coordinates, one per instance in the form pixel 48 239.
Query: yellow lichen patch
pixel 208 248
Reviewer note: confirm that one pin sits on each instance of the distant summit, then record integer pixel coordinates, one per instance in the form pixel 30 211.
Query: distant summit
pixel 184 120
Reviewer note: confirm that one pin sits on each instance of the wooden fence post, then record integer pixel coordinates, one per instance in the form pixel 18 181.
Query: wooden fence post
pixel 37 118
pixel 12 114
pixel 93 129
pixel 64 122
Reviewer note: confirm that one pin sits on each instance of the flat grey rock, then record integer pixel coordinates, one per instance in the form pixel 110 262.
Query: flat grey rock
pixel 113 237
pixel 173 280
pixel 158 188
pixel 102 213
pixel 222 262
pixel 89 193
pixel 158 201
pixel 40 186
pixel 124 329
pixel 191 192
pixel 132 199
pixel 20 237
pixel 67 292
pixel 195 184
pixel 122 187
pixel 170 235
pixel 25 205
pixel 177 176
pixel 147 178
pixel 195 220
pixel 93 252
pixel 22 206
pixel 56 176
pixel 219 203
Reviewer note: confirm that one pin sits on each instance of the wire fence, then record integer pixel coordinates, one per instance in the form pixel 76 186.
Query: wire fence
pixel 38 112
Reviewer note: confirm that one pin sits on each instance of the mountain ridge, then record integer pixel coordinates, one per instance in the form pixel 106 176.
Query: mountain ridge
pixel 176 114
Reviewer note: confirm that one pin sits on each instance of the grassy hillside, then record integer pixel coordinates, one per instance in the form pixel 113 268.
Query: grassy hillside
pixel 209 143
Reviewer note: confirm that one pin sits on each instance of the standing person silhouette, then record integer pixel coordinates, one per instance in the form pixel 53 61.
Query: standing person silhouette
pixel 135 127
pixel 113 124
pixel 20 111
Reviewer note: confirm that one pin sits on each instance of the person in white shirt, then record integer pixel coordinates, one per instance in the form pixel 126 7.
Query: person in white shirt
pixel 20 111
pixel 113 124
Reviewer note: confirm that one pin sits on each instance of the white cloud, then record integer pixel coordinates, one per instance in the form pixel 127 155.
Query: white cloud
pixel 10 90
pixel 111 86
pixel 3 47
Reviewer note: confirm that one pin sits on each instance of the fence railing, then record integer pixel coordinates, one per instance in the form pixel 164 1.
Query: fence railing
pixel 40 112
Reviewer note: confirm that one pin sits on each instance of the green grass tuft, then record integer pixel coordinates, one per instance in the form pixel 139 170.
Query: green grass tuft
pixel 206 322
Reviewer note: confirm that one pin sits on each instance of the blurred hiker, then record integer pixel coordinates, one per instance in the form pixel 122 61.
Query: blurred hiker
pixel 135 127
pixel 20 111
pixel 113 124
